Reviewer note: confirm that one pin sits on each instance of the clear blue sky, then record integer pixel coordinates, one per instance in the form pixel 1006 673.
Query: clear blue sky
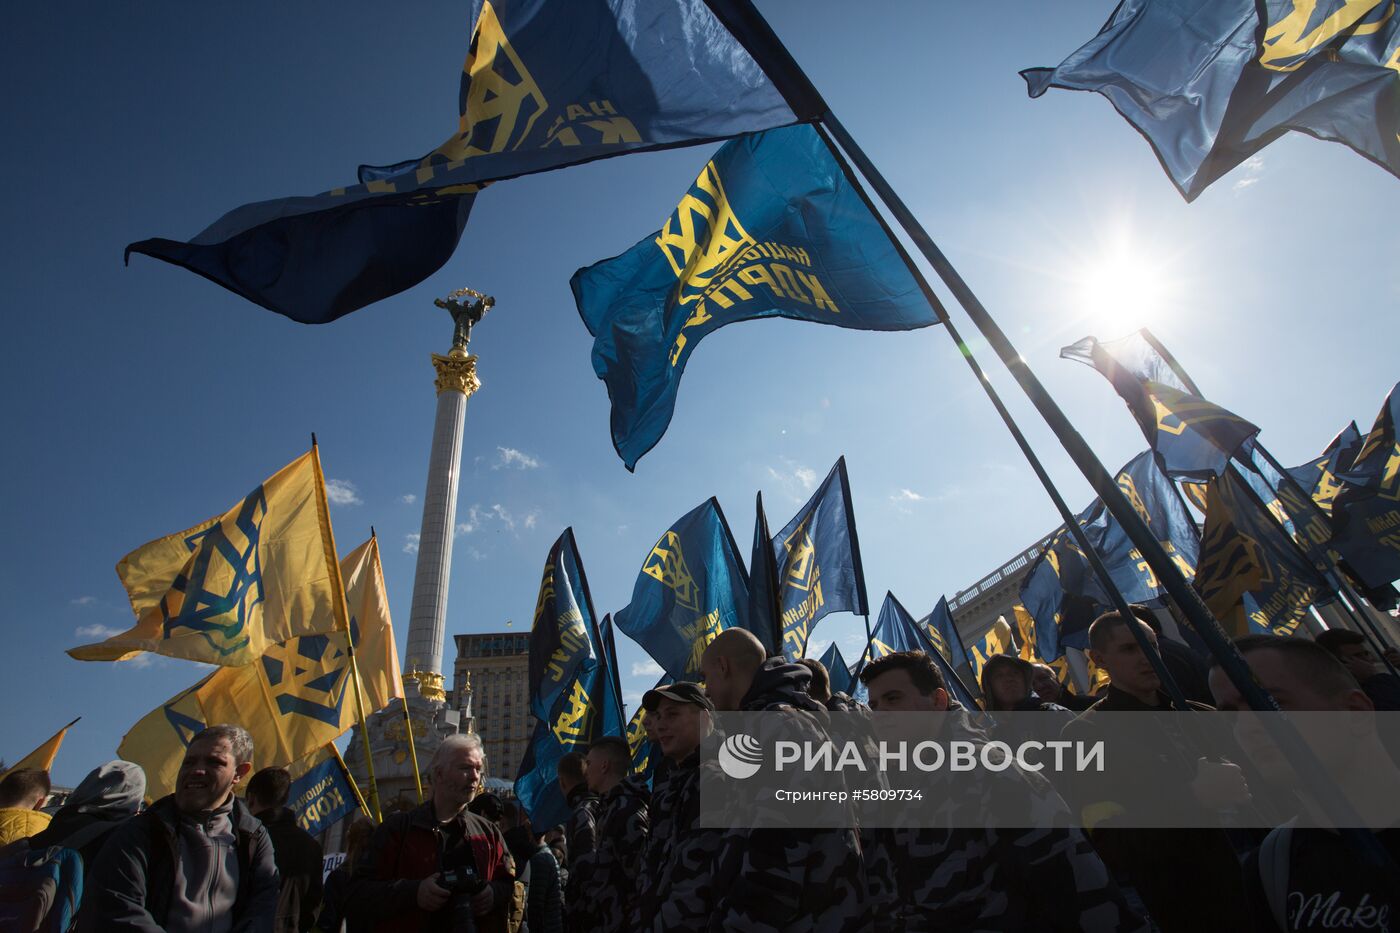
pixel 141 400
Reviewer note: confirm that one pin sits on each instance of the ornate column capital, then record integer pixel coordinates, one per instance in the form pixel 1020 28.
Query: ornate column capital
pixel 430 685
pixel 456 372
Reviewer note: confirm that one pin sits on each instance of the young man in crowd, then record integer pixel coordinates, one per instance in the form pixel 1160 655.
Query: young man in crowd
pixel 949 878
pixel 196 860
pixel 1356 655
pixel 607 890
pixel 296 851
pixel 22 793
pixel 677 872
pixel 1312 879
pixel 580 832
pixel 1159 864
pixel 401 882
pixel 1046 684
pixel 1008 686
pixel 778 879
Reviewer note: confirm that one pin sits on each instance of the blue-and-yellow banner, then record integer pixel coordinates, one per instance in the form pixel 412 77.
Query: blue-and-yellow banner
pixel 772 227
pixel 896 630
pixel 1062 592
pixel 295 700
pixel 691 587
pixel 1211 82
pixel 321 795
pixel 645 753
pixel 836 669
pixel 545 85
pixel 996 640
pixel 225 590
pixel 1318 476
pixel 1366 511
pixel 1194 439
pixel 1253 577
pixel 589 706
pixel 819 566
pixel 943 632
pixel 562 635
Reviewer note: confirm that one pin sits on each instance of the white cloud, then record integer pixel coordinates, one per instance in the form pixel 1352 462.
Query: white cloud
pixel 905 498
pixel 503 516
pixel 342 492
pixel 816 648
pixel 508 458
pixel 796 480
pixel 1252 168
pixel 96 631
pixel 632 700
pixel 408 498
pixel 84 601
pixel 410 543
pixel 477 518
pixel 144 660
pixel 531 519
pixel 647 668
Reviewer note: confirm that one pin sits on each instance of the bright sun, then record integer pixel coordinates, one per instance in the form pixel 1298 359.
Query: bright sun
pixel 1121 286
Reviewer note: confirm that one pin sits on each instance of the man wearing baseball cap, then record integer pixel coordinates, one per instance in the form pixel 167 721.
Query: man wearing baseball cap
pixel 675 885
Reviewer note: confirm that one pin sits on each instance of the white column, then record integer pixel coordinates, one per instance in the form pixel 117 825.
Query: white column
pixel 427 620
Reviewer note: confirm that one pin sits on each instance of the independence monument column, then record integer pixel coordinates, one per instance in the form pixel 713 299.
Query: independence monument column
pixel 456 381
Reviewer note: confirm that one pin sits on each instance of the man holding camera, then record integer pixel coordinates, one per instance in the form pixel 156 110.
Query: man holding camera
pixel 438 866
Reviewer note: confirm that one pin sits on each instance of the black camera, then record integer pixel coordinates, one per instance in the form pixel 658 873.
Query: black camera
pixel 462 881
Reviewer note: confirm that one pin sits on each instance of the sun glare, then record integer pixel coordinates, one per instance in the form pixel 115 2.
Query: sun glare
pixel 1122 286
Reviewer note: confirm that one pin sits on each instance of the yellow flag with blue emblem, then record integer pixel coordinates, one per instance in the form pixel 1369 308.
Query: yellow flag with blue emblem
pixel 295 699
pixel 996 641
pixel 223 591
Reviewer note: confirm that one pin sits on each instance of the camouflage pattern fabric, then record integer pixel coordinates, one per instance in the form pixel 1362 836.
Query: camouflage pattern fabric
pixel 607 888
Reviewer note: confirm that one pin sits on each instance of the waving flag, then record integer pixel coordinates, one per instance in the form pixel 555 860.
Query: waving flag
pixel 545 85
pixel 1061 591
pixel 223 591
pixel 1318 477
pixel 1193 438
pixel 771 227
pixel 42 758
pixel 818 558
pixel 691 587
pixel 588 706
pixel 562 634
pixel 1208 83
pixel 943 632
pixel 996 640
pixel 295 699
pixel 836 669
pixel 1251 572
pixel 645 753
pixel 765 613
pixel 896 630
pixel 1366 511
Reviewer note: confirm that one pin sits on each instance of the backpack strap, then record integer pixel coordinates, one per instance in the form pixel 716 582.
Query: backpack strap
pixel 1274 857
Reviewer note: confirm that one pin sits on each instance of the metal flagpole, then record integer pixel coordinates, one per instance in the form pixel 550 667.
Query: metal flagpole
pixel 412 749
pixel 342 617
pixel 1071 521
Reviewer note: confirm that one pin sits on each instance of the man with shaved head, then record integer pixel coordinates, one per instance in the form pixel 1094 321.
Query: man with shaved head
pixel 779 879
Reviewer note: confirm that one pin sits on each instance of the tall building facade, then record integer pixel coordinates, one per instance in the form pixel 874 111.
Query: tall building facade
pixel 492 674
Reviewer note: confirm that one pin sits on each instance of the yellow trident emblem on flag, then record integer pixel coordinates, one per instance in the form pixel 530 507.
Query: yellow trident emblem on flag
pixel 802 558
pixel 666 565
pixel 572 725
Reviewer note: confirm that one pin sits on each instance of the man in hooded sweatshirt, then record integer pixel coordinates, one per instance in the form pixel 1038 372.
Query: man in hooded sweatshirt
pixel 108 796
pixel 197 860
pixel 794 880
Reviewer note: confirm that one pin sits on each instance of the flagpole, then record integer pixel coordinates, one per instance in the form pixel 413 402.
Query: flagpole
pixel 1071 521
pixel 350 778
pixel 342 616
pixel 412 748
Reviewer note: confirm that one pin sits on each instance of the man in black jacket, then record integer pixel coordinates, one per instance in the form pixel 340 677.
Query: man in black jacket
pixel 297 852
pixel 196 860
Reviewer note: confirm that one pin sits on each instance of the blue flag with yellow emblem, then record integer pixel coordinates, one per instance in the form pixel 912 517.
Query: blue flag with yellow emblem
pixel 1366 512
pixel 818 558
pixel 1211 82
pixel 1061 586
pixel 836 670
pixel 545 85
pixel 943 632
pixel 692 586
pixel 563 635
pixel 1318 476
pixel 896 630
pixel 772 227
pixel 1253 576
pixel 321 796
pixel 588 705
pixel 1193 438
pixel 645 753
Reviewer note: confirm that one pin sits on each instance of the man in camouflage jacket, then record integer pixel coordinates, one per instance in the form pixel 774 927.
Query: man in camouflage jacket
pixel 607 890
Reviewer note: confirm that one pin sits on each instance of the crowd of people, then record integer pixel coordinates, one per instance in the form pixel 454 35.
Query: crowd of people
pixel 635 855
